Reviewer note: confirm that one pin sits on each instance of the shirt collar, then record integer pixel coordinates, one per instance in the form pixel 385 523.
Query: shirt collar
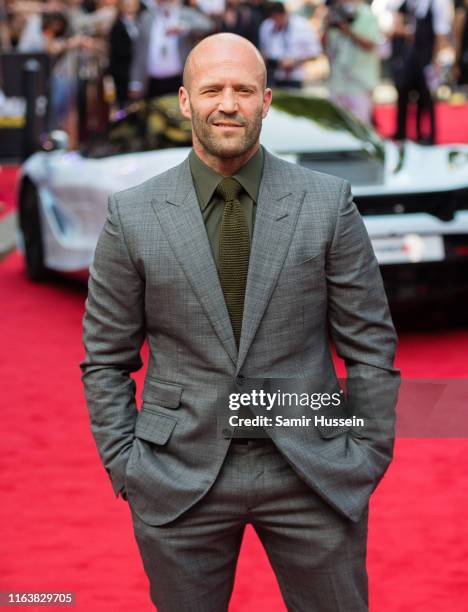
pixel 206 180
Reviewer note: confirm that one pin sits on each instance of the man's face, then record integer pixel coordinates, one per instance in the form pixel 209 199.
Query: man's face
pixel 226 102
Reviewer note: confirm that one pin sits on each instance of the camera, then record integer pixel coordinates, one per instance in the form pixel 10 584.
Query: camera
pixel 339 13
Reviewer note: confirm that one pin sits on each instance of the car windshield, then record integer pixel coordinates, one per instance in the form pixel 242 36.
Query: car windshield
pixel 300 123
pixel 296 123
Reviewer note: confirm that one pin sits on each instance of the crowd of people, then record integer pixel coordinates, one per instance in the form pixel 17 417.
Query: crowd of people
pixel 137 48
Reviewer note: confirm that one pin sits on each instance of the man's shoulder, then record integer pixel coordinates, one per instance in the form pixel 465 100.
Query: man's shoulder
pixel 156 187
pixel 302 177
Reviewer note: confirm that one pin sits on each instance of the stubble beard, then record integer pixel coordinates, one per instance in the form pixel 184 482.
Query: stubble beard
pixel 224 147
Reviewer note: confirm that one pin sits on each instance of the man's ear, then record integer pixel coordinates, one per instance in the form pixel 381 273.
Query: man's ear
pixel 184 103
pixel 267 96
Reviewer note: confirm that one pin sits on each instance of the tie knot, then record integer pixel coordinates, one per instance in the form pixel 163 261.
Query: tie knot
pixel 229 189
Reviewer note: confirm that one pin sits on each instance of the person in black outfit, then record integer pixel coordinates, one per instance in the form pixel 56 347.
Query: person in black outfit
pixel 414 45
pixel 461 39
pixel 122 36
pixel 240 18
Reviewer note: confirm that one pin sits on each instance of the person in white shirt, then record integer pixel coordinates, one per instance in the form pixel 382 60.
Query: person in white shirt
pixel 167 34
pixel 287 42
pixel 212 8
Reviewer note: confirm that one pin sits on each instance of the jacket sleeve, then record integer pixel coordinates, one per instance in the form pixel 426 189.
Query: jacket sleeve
pixel 362 331
pixel 113 327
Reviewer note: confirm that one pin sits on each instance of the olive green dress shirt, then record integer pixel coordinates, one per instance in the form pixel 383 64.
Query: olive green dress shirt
pixel 211 205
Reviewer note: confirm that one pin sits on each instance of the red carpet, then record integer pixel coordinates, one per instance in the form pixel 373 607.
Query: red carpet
pixel 62 529
pixel 452 122
pixel 7 189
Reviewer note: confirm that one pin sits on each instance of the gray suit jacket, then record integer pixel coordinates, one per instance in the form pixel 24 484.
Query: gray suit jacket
pixel 196 25
pixel 312 269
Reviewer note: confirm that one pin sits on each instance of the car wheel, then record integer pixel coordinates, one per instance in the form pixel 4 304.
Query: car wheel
pixel 30 221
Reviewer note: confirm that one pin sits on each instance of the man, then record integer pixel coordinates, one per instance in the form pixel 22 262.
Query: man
pixel 287 43
pixel 122 37
pixel 241 18
pixel 422 28
pixel 351 44
pixel 460 30
pixel 232 265
pixel 167 33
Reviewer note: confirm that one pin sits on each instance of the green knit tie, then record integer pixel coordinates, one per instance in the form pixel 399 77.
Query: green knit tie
pixel 234 252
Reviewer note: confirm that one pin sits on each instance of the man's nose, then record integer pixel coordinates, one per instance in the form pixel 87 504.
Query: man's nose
pixel 228 103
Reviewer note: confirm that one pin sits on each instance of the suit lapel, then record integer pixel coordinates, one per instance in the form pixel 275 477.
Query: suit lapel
pixel 182 222
pixel 277 211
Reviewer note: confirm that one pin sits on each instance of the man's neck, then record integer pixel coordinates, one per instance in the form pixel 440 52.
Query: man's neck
pixel 225 167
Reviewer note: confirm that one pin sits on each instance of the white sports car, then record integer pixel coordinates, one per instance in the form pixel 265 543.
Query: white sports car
pixel 414 199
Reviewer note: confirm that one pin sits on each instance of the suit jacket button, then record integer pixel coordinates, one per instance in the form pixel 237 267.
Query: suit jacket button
pixel 226 433
pixel 240 380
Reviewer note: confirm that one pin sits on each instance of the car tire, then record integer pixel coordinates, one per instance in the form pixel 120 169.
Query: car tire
pixel 30 222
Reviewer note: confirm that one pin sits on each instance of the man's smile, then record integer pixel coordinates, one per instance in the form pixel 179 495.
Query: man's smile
pixel 224 124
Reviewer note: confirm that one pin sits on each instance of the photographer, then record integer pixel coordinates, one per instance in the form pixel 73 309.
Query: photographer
pixel 351 37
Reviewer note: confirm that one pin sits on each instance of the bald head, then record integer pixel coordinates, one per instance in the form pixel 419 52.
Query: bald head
pixel 225 97
pixel 224 49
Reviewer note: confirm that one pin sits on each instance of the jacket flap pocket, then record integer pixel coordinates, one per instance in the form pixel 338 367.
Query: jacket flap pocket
pixel 310 258
pixel 302 259
pixel 154 426
pixel 165 394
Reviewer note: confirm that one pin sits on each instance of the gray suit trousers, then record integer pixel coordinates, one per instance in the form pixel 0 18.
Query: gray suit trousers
pixel 318 556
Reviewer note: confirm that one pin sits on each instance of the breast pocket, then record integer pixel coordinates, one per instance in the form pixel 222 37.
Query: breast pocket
pixel 308 272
